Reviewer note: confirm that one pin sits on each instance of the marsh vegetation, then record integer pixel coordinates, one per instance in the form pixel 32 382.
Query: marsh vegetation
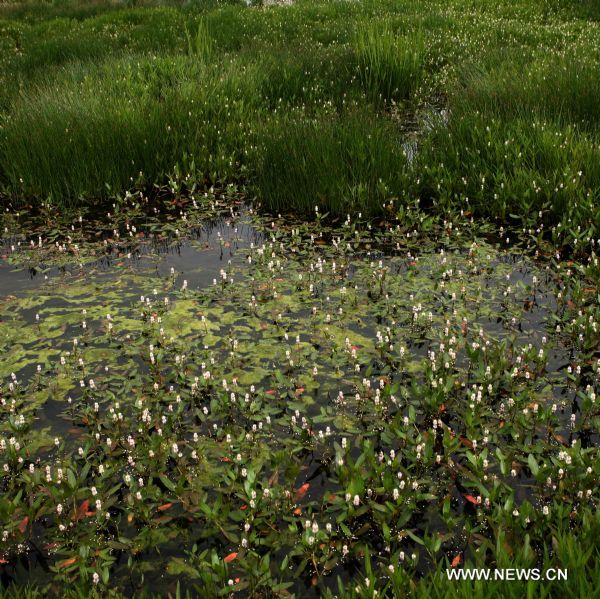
pixel 298 301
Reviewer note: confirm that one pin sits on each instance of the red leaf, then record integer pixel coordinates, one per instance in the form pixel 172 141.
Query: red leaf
pixel 456 560
pixel 230 557
pixel 301 492
pixel 3 561
pixel 66 563
pixel 23 524
pixel 472 499
pixel 166 506
pixel 270 392
pixel 82 509
pixel 244 507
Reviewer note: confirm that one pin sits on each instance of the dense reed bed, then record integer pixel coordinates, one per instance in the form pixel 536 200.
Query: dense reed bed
pixel 100 99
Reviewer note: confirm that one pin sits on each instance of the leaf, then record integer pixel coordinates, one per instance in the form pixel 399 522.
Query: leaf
pixel 71 479
pixel 165 481
pixel 330 563
pixel 471 499
pixel 533 465
pixel 118 545
pixel 82 510
pixel 457 559
pixel 301 492
pixel 230 557
pixel 165 506
pixel 560 439
pixel 23 524
pixel 178 566
pixel 415 538
pixel 274 478
pixel 67 562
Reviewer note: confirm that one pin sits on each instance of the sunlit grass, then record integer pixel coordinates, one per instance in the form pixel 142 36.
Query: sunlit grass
pixel 390 64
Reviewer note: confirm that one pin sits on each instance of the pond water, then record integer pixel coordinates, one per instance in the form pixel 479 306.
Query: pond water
pixel 219 389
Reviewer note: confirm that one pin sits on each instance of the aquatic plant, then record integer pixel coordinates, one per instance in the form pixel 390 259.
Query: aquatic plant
pixel 268 407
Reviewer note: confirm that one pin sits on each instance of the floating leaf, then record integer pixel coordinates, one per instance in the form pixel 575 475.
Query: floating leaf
pixel 466 442
pixel 67 562
pixel 301 492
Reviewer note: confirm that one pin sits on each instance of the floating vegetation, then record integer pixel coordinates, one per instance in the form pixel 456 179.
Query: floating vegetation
pixel 264 407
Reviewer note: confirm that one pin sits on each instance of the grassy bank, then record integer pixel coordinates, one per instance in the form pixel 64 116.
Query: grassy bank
pixel 97 99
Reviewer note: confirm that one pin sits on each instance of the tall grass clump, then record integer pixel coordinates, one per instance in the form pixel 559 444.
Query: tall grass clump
pixel 562 89
pixel 310 76
pixel 390 65
pixel 507 169
pixel 103 129
pixel 340 162
pixel 32 52
pixel 201 44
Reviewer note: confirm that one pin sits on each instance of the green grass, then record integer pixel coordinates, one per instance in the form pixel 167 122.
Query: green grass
pixel 346 162
pixel 562 90
pixel 511 169
pixel 390 65
pixel 128 120
pixel 72 131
